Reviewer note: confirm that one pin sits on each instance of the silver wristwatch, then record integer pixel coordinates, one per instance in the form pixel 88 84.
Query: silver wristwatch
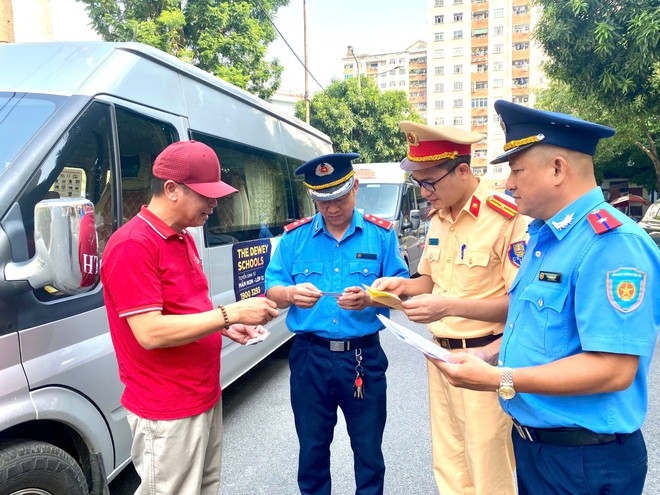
pixel 506 390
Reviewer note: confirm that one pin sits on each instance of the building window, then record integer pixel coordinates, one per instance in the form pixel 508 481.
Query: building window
pixel 480 33
pixel 458 103
pixel 458 2
pixel 479 102
pixel 498 83
pixel 458 69
pixel 439 3
pixel 521 28
pixel 498 30
pixel 392 84
pixel 480 121
pixel 498 12
pixel 498 48
pixel 521 10
pixel 439 53
pixel 440 87
pixel 458 35
pixel 440 70
pixel 458 52
pixel 520 82
pixel 481 68
pixel 458 120
pixel 439 104
pixel 439 37
pixel 383 85
pixel 521 46
pixel 402 83
pixel 521 64
pixel 458 86
pixel 440 121
pixel 439 19
pixel 481 85
pixel 458 16
pixel 482 15
pixel 480 51
pixel 498 65
pixel 402 71
pixel 521 99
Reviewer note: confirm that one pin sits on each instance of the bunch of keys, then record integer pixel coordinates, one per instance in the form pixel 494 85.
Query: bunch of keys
pixel 358 385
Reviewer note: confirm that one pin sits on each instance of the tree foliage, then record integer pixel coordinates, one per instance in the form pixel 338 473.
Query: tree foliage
pixel 621 156
pixel 607 54
pixel 360 118
pixel 228 38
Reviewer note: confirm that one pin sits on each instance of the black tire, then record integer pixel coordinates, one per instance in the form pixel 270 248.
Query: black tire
pixel 29 467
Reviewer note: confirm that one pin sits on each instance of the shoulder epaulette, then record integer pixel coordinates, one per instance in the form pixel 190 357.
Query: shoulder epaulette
pixel 505 207
pixel 386 224
pixel 297 223
pixel 602 221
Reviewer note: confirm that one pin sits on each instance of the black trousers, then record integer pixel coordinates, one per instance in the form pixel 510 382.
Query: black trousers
pixel 322 381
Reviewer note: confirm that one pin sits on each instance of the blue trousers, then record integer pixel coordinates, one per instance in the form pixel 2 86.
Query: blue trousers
pixel 322 381
pixel 616 468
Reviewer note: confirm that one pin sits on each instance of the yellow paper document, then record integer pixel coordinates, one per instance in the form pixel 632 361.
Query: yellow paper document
pixel 382 297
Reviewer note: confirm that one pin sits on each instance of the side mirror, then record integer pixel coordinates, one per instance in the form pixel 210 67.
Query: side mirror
pixel 66 248
pixel 415 219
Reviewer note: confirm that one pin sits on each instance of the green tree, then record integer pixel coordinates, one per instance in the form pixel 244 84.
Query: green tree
pixel 607 52
pixel 623 155
pixel 360 118
pixel 228 38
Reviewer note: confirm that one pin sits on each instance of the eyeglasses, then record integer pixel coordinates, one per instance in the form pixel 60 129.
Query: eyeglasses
pixel 429 185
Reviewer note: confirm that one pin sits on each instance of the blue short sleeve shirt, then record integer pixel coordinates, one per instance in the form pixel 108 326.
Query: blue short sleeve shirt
pixel 310 254
pixel 580 290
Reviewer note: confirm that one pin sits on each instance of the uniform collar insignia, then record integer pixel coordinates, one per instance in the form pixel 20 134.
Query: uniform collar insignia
pixel 564 222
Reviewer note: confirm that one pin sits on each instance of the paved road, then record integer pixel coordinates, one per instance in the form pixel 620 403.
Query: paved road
pixel 260 451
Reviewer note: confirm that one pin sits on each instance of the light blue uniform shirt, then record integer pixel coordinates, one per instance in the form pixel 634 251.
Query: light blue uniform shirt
pixel 310 254
pixel 576 291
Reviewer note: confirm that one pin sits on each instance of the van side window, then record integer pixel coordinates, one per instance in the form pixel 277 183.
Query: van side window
pixel 268 195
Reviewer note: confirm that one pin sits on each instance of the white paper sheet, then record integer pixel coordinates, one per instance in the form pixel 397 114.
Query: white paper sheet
pixel 414 339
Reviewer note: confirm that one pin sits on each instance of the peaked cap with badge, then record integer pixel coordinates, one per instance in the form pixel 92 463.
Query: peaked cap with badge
pixel 429 146
pixel 328 177
pixel 524 127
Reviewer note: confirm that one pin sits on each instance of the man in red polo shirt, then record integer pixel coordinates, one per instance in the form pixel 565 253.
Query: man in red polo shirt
pixel 166 333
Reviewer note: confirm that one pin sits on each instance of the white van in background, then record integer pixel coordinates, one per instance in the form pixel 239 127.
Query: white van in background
pixel 80 125
pixel 384 192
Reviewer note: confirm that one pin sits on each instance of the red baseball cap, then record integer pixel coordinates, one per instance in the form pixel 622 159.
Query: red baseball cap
pixel 194 164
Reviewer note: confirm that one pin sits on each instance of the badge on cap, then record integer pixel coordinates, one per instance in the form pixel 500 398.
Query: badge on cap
pixel 324 169
pixel 413 139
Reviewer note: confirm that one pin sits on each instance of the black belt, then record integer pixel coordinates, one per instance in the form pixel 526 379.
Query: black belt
pixel 567 436
pixel 466 343
pixel 341 345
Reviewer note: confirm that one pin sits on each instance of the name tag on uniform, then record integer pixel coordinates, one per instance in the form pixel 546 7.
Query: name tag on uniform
pixel 367 256
pixel 433 241
pixel 553 277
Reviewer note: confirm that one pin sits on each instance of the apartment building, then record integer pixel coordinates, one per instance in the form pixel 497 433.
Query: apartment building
pixel 480 51
pixel 404 71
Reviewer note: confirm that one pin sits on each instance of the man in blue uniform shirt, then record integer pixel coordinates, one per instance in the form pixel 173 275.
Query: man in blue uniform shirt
pixel 318 271
pixel 582 322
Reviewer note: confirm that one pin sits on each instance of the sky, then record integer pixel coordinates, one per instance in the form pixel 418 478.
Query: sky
pixel 370 26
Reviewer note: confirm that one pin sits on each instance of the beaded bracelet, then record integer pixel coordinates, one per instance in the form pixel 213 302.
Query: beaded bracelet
pixel 224 315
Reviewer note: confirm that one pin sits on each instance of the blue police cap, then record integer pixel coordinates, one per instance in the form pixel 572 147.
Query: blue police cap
pixel 524 127
pixel 328 177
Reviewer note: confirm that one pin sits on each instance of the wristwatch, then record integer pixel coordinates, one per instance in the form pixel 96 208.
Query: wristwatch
pixel 506 390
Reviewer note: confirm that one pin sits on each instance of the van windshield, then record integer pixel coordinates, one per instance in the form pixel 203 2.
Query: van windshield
pixel 379 199
pixel 21 116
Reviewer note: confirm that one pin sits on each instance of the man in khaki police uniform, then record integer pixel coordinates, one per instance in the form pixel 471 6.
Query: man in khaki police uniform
pixel 474 246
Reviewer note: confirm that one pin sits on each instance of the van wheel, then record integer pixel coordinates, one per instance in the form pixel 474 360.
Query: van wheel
pixel 29 467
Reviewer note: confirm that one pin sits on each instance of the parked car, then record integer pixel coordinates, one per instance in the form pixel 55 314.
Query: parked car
pixel 385 193
pixel 651 222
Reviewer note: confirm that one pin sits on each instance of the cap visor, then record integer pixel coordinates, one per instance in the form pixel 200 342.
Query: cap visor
pixel 332 192
pixel 212 189
pixel 504 157
pixel 409 165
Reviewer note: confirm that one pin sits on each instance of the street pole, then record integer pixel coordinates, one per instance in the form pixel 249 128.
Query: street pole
pixel 306 71
pixel 357 65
